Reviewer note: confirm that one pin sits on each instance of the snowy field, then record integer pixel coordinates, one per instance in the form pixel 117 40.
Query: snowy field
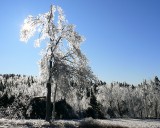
pixel 133 123
pixel 112 123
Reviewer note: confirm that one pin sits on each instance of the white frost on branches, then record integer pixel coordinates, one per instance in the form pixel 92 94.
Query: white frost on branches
pixel 62 49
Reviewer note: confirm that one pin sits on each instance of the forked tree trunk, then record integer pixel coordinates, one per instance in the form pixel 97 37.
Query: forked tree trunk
pixel 48 103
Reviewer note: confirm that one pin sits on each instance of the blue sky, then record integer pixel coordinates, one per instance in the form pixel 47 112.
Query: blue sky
pixel 122 36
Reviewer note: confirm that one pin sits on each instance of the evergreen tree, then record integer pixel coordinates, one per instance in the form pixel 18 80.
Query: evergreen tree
pixel 95 110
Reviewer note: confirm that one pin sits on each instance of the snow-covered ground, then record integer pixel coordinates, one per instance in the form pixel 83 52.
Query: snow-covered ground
pixel 130 123
pixel 133 123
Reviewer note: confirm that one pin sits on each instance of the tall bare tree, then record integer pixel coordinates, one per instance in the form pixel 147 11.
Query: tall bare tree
pixel 62 59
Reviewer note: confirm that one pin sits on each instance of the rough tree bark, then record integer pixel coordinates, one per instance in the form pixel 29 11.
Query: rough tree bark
pixel 48 98
pixel 48 102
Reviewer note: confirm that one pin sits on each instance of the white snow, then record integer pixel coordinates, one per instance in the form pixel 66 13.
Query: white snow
pixel 131 123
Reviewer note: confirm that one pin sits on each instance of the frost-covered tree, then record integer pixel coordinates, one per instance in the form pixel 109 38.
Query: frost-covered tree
pixel 62 60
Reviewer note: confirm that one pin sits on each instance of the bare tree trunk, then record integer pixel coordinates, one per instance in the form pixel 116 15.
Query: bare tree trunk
pixel 119 109
pixel 48 102
pixel 141 113
pixel 48 98
pixel 54 101
pixel 156 109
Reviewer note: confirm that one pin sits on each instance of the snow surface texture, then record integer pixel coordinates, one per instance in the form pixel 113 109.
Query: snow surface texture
pixel 133 123
pixel 128 123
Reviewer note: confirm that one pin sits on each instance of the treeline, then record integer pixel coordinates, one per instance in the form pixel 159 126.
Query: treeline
pixel 125 100
pixel 23 96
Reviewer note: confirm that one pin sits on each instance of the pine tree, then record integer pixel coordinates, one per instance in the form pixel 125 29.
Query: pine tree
pixel 95 110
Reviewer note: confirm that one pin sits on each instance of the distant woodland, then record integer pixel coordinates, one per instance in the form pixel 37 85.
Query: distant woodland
pixel 23 97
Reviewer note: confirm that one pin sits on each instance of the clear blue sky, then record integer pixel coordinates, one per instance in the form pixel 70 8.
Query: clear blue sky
pixel 122 36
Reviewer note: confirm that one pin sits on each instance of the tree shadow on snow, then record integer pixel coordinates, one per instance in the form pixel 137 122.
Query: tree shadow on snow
pixel 96 124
